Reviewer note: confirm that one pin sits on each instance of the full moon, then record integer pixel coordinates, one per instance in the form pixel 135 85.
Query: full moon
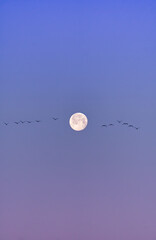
pixel 78 121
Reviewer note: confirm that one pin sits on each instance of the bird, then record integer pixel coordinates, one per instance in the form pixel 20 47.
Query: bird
pixel 119 121
pixel 104 125
pixel 16 122
pixel 37 121
pixel 136 128
pixel 55 118
pixel 131 126
pixel 29 121
pixel 6 123
pixel 22 121
pixel 125 124
pixel 111 124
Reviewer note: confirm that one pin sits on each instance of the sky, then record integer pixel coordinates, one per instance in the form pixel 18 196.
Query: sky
pixel 58 58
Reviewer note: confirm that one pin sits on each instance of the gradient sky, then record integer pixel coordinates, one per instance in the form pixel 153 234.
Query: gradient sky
pixel 62 57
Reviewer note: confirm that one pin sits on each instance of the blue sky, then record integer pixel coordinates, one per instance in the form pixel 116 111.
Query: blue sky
pixel 58 58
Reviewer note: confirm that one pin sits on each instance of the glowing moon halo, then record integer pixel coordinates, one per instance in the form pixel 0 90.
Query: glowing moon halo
pixel 78 121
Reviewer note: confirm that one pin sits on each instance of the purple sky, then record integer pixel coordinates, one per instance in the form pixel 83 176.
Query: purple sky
pixel 62 57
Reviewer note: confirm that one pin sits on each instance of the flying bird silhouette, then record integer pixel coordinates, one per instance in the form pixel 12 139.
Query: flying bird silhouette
pixel 16 122
pixel 37 121
pixel 111 124
pixel 6 123
pixel 55 118
pixel 131 126
pixel 136 128
pixel 104 125
pixel 125 124
pixel 119 121
pixel 29 121
pixel 22 121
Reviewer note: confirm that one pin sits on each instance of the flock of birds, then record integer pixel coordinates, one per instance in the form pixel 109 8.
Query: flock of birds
pixel 22 122
pixel 121 123
pixel 55 119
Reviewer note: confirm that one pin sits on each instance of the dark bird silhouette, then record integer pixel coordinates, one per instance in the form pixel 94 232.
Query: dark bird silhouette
pixel 6 123
pixel 131 126
pixel 104 125
pixel 119 121
pixel 136 128
pixel 37 121
pixel 125 124
pixel 29 121
pixel 55 118
pixel 22 121
pixel 111 124
pixel 16 122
